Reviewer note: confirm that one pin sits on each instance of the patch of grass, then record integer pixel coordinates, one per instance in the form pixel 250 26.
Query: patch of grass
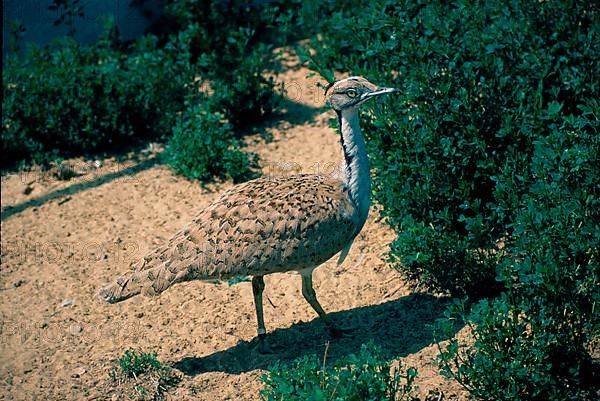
pixel 132 364
pixel 141 376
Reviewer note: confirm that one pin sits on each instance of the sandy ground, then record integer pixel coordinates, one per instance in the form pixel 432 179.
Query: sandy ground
pixel 61 240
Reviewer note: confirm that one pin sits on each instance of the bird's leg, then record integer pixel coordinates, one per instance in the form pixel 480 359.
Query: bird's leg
pixel 258 285
pixel 311 296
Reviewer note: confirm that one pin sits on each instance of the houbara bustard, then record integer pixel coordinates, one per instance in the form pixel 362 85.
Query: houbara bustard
pixel 270 225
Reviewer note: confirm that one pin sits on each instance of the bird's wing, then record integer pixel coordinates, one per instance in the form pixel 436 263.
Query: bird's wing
pixel 263 226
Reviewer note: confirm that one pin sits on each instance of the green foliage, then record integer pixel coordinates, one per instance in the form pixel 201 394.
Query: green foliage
pixel 533 342
pixel 225 31
pixel 141 376
pixel 487 168
pixel 521 350
pixel 203 146
pixel 481 82
pixel 133 364
pixel 69 11
pixel 365 376
pixel 246 96
pixel 233 44
pixel 70 99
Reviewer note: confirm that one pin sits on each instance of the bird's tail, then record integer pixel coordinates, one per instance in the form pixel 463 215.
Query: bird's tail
pixel 145 280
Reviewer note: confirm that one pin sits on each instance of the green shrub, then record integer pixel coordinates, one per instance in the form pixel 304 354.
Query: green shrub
pixel 245 95
pixel 480 83
pixel 365 376
pixel 233 45
pixel 222 26
pixel 532 343
pixel 487 168
pixel 203 146
pixel 141 376
pixel 70 99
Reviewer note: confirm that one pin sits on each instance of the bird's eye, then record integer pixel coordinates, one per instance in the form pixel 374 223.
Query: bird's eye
pixel 351 93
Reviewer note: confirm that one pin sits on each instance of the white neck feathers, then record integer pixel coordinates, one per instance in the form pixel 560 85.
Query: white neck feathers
pixel 355 173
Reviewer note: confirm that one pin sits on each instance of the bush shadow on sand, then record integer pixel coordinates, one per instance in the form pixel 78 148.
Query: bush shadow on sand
pixel 399 327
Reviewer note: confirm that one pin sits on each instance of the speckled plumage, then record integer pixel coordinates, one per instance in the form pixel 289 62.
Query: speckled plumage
pixel 270 224
pixel 264 226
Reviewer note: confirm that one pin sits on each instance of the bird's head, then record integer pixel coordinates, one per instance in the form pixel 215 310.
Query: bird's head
pixel 352 92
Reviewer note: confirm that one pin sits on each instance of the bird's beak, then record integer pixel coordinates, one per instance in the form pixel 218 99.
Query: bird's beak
pixel 378 92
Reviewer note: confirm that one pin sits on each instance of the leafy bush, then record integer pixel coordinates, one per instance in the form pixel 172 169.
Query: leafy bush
pixel 233 45
pixel 487 167
pixel 481 82
pixel 246 96
pixel 365 376
pixel 203 146
pixel 71 99
pixel 223 32
pixel 533 341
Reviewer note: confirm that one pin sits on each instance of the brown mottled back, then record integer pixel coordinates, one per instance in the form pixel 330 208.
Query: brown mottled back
pixel 264 226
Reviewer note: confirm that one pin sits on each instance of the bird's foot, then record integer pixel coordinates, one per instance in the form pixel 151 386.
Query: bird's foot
pixel 341 332
pixel 264 346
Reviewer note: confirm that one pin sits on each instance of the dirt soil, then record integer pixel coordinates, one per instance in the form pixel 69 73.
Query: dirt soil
pixel 62 240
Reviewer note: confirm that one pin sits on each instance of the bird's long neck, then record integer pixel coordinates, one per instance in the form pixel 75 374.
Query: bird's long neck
pixel 355 172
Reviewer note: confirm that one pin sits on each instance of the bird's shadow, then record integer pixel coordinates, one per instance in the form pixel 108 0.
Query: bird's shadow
pixel 399 327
